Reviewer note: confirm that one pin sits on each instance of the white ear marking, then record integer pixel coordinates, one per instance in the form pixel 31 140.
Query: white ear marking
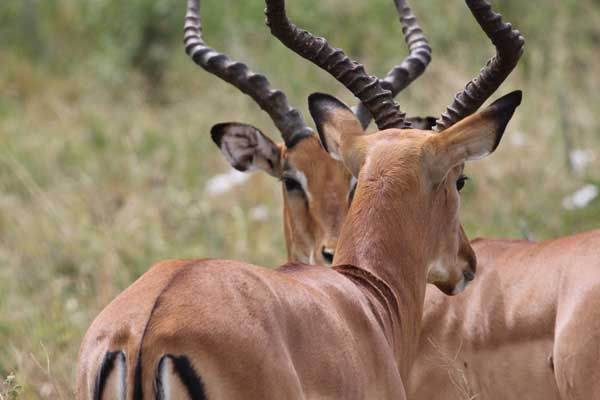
pixel 301 178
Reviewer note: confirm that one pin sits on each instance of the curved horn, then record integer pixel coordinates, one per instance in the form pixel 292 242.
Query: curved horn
pixel 509 47
pixel 368 89
pixel 287 119
pixel 411 67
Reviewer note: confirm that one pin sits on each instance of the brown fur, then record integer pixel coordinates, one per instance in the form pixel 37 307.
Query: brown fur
pixel 310 225
pixel 528 326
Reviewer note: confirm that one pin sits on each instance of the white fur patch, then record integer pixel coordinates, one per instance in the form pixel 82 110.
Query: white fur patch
pixel 121 373
pixel 437 272
pixel 335 156
pixel 165 376
pixel 301 178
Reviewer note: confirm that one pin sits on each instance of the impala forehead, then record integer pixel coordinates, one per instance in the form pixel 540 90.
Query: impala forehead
pixel 306 152
pixel 404 134
pixel 395 152
pixel 399 140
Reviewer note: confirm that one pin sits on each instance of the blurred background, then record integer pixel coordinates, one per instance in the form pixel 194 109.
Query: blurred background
pixel 106 163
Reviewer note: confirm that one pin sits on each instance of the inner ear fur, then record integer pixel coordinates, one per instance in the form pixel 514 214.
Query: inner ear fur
pixel 473 138
pixel 339 130
pixel 246 148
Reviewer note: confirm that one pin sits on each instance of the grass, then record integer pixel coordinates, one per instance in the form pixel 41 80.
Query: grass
pixel 103 169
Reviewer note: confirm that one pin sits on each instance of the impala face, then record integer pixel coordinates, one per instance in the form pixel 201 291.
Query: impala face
pixel 317 190
pixel 423 171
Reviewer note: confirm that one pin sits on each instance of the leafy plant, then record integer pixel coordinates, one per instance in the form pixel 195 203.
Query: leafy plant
pixel 9 388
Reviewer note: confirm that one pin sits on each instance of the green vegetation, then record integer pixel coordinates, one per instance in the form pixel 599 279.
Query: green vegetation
pixel 105 152
pixel 9 389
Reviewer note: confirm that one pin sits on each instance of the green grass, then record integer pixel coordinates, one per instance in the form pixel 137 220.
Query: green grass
pixel 105 153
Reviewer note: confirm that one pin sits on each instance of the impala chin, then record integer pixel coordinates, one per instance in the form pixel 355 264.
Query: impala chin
pixel 437 272
pixel 450 280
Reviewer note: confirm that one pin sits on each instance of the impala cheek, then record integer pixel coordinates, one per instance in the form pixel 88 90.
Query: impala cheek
pixel 451 280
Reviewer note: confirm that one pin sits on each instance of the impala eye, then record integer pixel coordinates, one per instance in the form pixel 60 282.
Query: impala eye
pixel 460 182
pixel 292 184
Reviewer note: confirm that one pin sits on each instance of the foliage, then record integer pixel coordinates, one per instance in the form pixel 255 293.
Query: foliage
pixel 9 389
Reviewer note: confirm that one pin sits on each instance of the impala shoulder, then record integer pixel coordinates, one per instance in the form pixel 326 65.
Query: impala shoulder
pixel 481 245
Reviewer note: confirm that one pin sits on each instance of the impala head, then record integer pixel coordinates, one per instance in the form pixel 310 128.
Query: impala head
pixel 423 171
pixel 316 189
pixel 412 156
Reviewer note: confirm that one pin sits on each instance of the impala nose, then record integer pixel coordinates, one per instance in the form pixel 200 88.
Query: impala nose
pixel 469 275
pixel 328 254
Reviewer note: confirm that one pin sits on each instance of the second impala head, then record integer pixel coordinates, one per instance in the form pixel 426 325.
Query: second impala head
pixel 410 180
pixel 317 190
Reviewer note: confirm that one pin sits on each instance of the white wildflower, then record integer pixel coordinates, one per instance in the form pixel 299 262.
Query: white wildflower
pixel 581 158
pixel 259 213
pixel 581 198
pixel 72 304
pixel 518 138
pixel 223 183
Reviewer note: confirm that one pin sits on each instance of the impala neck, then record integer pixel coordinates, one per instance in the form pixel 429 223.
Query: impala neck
pixel 373 240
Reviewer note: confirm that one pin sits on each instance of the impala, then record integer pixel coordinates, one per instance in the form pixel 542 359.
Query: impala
pixel 222 329
pixel 529 327
pixel 316 189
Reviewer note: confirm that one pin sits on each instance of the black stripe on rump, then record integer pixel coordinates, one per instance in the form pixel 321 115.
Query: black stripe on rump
pixel 108 364
pixel 186 373
pixel 138 393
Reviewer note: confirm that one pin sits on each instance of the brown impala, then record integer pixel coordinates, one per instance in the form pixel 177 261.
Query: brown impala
pixel 316 189
pixel 221 329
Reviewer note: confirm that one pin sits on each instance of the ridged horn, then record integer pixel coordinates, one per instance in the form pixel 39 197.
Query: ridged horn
pixel 403 74
pixel 509 48
pixel 287 119
pixel 368 89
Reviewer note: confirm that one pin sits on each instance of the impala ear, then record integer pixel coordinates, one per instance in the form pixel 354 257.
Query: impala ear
pixel 339 130
pixel 473 138
pixel 246 148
